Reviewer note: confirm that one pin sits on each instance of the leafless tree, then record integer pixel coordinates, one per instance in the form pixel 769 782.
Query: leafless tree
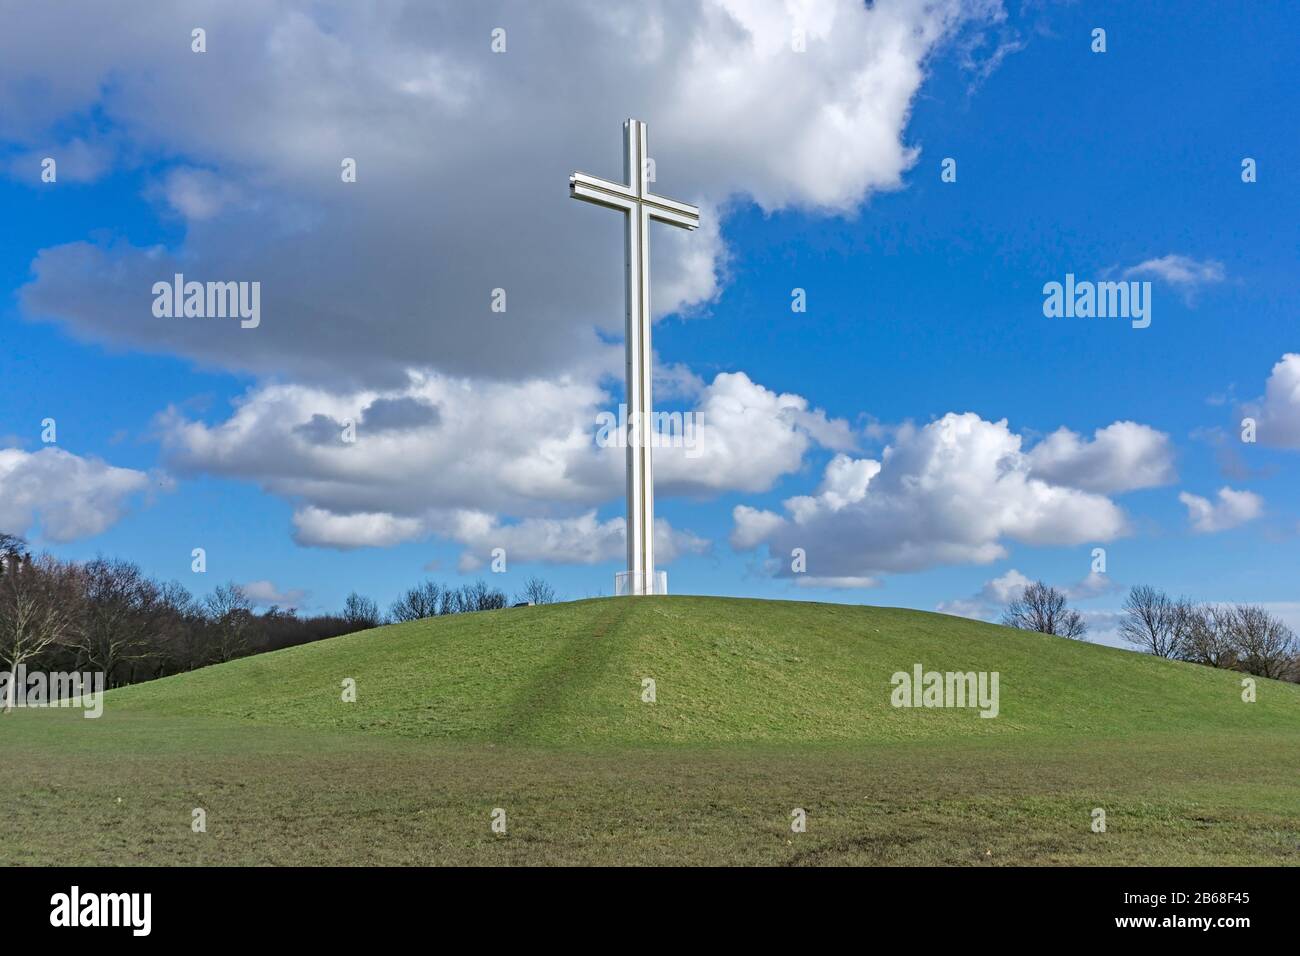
pixel 1208 638
pixel 230 619
pixel 178 641
pixel 123 611
pixel 1157 623
pixel 1042 608
pixel 450 602
pixel 1265 646
pixel 39 609
pixel 417 602
pixel 536 591
pixel 479 597
pixel 361 612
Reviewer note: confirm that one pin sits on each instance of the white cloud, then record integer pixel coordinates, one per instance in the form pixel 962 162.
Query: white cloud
pixel 1184 273
pixel 1103 627
pixel 71 497
pixel 1277 414
pixel 1006 588
pixel 197 194
pixel 1232 508
pixel 375 294
pixel 265 594
pixel 462 157
pixel 579 540
pixel 1093 585
pixel 748 437
pixel 462 458
pixel 753 526
pixel 986 603
pixel 1123 456
pixel 989 602
pixel 952 492
pixel 317 527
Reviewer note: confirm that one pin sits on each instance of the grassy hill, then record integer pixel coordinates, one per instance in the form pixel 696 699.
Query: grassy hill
pixel 726 670
pixel 762 707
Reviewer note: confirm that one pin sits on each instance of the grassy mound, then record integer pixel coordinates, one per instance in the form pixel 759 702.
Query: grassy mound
pixel 762 706
pixel 725 670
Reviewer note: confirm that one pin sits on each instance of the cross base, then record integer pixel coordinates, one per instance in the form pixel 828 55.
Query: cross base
pixel 632 583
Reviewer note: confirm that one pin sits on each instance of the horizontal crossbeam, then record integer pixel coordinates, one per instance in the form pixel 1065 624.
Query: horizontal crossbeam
pixel 603 192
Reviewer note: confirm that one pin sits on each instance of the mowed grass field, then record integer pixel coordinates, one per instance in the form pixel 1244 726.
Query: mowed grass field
pixel 761 707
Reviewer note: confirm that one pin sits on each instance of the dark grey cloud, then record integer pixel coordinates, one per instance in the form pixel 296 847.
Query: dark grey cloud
pixel 399 414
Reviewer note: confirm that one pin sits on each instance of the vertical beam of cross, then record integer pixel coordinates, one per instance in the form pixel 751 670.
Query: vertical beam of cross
pixel 633 198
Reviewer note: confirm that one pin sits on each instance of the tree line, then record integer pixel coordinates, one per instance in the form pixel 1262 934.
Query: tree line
pixel 1242 637
pixel 107 615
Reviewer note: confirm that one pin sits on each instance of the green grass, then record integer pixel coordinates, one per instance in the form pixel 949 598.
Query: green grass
pixel 726 671
pixel 761 707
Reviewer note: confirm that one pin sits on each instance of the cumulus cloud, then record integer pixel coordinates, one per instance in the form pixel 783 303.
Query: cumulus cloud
pixel 753 526
pixel 265 594
pixel 579 540
pixel 375 295
pixel 1005 588
pixel 747 437
pixel 69 496
pixel 1277 414
pixel 952 492
pixel 1123 456
pixel 318 527
pixel 197 194
pixel 989 602
pixel 462 160
pixel 454 198
pixel 1093 585
pixel 1230 509
pixel 463 458
pixel 990 599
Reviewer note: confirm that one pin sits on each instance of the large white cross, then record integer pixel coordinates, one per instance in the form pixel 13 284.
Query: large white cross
pixel 638 205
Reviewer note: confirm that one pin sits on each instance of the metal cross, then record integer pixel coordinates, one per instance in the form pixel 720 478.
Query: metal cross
pixel 634 199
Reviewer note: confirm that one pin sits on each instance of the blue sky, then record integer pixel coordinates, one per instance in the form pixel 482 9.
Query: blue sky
pixel 924 299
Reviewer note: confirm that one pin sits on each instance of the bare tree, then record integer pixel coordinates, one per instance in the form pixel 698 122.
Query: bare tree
pixel 1155 622
pixel 38 611
pixel 416 602
pixel 479 597
pixel 123 611
pixel 230 616
pixel 1042 608
pixel 536 591
pixel 361 612
pixel 1265 646
pixel 178 641
pixel 1208 638
pixel 450 603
